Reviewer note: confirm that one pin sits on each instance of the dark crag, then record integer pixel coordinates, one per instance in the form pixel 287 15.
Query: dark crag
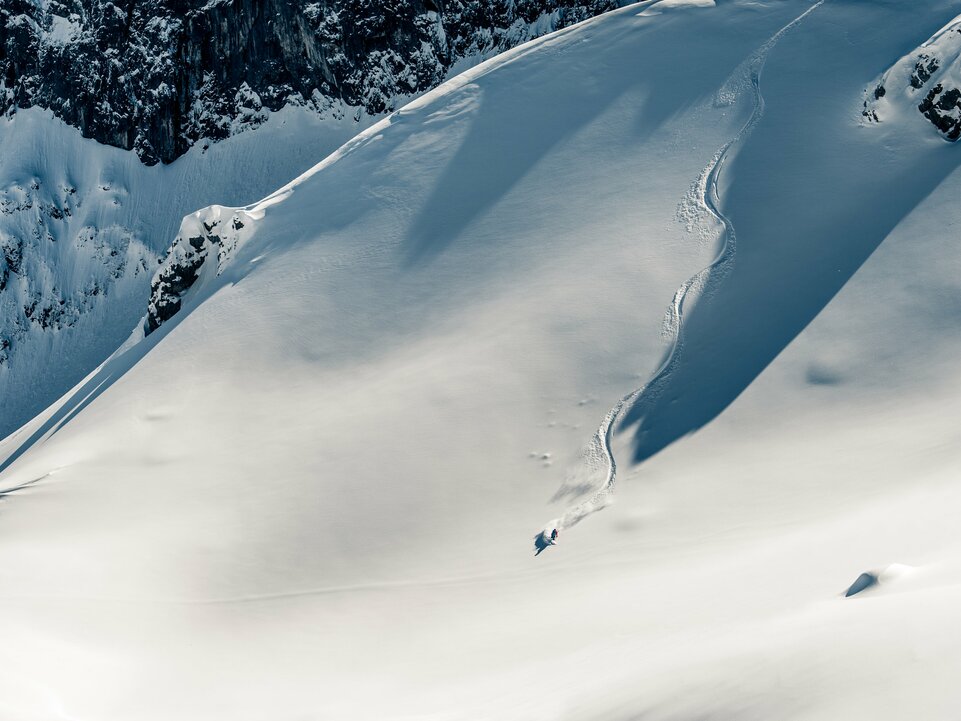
pixel 156 76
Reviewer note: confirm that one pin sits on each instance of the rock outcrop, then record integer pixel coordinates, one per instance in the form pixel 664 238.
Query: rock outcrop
pixel 209 235
pixel 927 80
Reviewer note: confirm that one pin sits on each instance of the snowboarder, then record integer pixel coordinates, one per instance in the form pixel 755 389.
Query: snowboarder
pixel 544 540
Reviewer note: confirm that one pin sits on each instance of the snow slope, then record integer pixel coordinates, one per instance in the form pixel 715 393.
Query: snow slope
pixel 82 226
pixel 80 223
pixel 311 492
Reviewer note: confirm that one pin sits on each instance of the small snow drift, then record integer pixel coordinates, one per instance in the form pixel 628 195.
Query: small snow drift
pixel 928 79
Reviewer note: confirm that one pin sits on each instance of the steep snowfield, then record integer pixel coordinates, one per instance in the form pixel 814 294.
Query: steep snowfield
pixel 80 223
pixel 311 493
pixel 82 226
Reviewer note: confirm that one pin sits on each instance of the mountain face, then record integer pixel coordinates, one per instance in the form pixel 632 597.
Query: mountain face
pixel 83 225
pixel 311 494
pixel 156 76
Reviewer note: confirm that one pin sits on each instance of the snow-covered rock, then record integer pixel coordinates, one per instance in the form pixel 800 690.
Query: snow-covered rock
pixel 212 234
pixel 927 80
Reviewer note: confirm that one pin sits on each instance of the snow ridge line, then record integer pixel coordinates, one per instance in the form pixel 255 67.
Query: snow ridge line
pixel 600 445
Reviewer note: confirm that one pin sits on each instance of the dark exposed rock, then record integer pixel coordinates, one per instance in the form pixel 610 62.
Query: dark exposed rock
pixel 949 99
pixel 943 108
pixel 156 76
pixel 923 70
pixel 168 289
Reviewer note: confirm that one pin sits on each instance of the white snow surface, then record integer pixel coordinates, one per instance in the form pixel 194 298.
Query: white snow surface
pixel 311 494
pixel 655 8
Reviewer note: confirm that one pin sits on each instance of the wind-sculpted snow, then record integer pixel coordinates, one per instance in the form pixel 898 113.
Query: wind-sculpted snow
pixel 927 80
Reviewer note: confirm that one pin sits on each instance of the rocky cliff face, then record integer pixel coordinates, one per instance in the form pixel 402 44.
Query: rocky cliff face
pixel 157 76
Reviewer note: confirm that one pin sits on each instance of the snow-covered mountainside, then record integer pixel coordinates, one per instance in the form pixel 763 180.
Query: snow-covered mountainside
pixel 82 227
pixel 157 76
pixel 684 307
pixel 927 80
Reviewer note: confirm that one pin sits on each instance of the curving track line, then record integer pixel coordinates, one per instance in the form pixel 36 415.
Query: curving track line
pixel 703 280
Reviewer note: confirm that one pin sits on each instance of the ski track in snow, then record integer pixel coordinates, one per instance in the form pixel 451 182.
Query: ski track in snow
pixel 600 449
pixel 21 486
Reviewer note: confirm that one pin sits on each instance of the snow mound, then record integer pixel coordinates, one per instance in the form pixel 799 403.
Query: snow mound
pixel 927 79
